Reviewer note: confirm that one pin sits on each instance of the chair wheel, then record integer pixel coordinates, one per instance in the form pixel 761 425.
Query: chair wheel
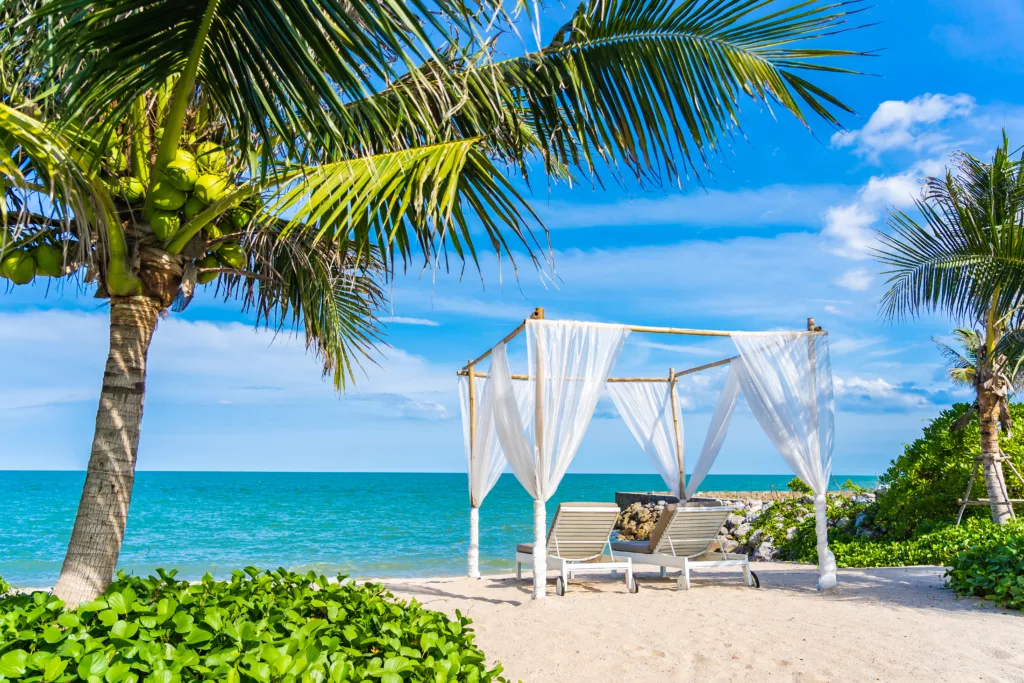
pixel 559 586
pixel 635 587
pixel 757 581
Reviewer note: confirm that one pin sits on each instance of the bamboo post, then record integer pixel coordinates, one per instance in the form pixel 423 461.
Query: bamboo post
pixel 540 560
pixel 473 556
pixel 679 439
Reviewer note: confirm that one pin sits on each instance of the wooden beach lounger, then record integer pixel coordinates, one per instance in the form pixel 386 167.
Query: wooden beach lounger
pixel 576 543
pixel 682 538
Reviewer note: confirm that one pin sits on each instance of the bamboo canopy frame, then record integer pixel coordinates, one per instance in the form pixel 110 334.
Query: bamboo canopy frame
pixel 469 370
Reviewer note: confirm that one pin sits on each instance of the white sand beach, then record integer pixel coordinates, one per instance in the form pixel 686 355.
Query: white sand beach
pixel 889 624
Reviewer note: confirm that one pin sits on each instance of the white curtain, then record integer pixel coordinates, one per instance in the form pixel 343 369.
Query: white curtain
pixel 568 365
pixel 489 462
pixel 646 408
pixel 716 430
pixel 787 381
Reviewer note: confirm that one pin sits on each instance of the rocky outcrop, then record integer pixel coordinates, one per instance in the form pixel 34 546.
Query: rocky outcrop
pixel 738 535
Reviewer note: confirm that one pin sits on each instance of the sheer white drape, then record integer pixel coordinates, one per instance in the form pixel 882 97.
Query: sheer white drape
pixel 489 462
pixel 717 430
pixel 646 408
pixel 568 365
pixel 787 381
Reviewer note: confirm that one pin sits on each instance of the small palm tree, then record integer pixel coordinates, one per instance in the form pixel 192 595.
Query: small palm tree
pixel 963 370
pixel 967 260
pixel 292 154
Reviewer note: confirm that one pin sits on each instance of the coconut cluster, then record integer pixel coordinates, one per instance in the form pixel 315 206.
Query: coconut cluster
pixel 192 181
pixel 23 264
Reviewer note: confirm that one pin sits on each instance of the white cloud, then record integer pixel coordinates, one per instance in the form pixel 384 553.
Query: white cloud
pixel 202 362
pixel 857 280
pixel 850 228
pixel 401 320
pixel 772 205
pixel 899 124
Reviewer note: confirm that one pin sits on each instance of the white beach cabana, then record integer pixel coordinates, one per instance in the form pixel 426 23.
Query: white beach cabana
pixel 534 422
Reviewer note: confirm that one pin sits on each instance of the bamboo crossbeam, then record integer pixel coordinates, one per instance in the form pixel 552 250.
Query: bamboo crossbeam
pixel 484 375
pixel 701 333
pixel 708 366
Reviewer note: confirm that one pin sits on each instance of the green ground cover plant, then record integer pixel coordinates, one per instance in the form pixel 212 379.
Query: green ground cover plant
pixel 994 572
pixel 257 626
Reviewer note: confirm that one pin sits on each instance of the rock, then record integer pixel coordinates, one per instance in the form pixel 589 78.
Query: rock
pixel 636 522
pixel 755 506
pixel 729 546
pixel 861 518
pixel 741 550
pixel 844 522
pixel 807 498
pixel 864 498
pixel 765 552
pixel 724 531
pixel 755 538
pixel 741 531
pixel 790 533
pixel 733 520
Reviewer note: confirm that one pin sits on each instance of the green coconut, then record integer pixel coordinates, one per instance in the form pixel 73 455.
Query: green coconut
pixel 166 197
pixel 213 232
pixel 49 260
pixel 208 261
pixel 210 187
pixel 19 267
pixel 193 207
pixel 132 190
pixel 211 157
pixel 164 224
pixel 182 172
pixel 232 256
pixel 240 218
pixel 117 161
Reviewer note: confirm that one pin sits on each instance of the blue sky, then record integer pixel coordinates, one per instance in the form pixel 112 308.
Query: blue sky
pixel 778 233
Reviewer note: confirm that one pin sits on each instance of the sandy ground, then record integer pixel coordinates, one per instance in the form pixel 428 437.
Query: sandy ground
pixel 893 624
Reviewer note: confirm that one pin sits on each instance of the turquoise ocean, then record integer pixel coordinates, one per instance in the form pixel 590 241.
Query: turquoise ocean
pixel 359 524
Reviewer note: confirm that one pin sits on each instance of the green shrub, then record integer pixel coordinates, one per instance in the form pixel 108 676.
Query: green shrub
pixel 994 572
pixel 797 485
pixel 926 481
pixel 263 627
pixel 938 546
pixel 5 587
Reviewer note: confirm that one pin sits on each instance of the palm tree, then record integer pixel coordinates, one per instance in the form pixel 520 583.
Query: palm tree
pixel 293 154
pixel 965 260
pixel 963 370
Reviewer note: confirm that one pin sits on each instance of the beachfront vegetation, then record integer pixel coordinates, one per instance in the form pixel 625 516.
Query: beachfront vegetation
pixel 258 627
pixel 912 520
pixel 926 481
pixel 5 587
pixel 965 259
pixel 994 572
pixel 293 155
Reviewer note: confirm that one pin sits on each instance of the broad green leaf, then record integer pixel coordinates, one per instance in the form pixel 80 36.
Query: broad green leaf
pixel 92 664
pixel 13 663
pixel 118 672
pixel 54 668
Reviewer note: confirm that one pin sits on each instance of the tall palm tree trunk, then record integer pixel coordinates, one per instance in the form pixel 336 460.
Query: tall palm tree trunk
pixel 988 419
pixel 103 511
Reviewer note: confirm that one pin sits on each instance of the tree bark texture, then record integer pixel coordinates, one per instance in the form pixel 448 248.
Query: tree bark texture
pixel 103 510
pixel 991 454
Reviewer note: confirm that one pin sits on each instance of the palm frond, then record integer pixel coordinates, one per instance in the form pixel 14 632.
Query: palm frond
pixel 655 84
pixel 49 195
pixel 420 199
pixel 270 67
pixel 967 256
pixel 332 296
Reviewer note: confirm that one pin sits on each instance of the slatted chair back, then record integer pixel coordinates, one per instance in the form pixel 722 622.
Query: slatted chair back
pixel 580 531
pixel 688 531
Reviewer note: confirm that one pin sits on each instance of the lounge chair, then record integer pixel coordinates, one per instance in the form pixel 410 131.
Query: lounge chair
pixel 577 539
pixel 682 539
